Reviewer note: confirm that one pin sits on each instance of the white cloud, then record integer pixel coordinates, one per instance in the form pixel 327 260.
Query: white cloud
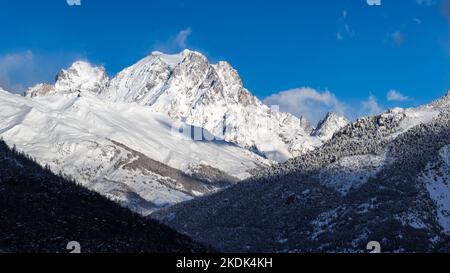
pixel 371 106
pixel 314 105
pixel 307 102
pixel 73 2
pixel 394 95
pixel 374 2
pixel 182 37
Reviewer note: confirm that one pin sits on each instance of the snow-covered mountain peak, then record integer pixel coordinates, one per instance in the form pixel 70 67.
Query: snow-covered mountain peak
pixel 187 87
pixel 81 76
pixel 329 125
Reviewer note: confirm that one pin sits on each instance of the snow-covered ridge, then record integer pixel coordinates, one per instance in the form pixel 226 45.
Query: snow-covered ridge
pixel 80 77
pixel 122 150
pixel 187 88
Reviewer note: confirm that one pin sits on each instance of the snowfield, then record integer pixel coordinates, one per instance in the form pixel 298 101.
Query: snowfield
pixel 96 142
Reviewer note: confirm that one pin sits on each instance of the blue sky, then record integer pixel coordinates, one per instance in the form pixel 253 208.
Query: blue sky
pixel 349 54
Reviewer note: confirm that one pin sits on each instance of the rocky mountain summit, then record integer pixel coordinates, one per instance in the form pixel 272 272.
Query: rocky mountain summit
pixel 331 124
pixel 81 76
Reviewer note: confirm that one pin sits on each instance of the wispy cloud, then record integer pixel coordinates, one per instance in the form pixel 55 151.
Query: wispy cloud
pixel 182 37
pixel 394 95
pixel 15 70
pixel 371 106
pixel 22 69
pixel 175 43
pixel 344 28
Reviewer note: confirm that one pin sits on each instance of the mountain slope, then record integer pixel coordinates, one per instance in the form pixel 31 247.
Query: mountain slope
pixel 381 178
pixel 123 151
pixel 42 213
pixel 187 88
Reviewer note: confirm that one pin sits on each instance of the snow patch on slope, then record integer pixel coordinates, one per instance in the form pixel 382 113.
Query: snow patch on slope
pixel 412 117
pixel 437 180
